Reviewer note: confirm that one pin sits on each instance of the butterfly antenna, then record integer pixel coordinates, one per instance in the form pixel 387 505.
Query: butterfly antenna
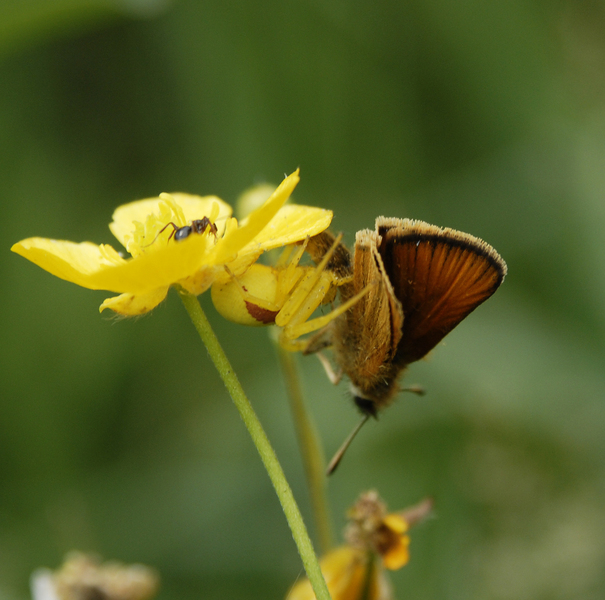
pixel 415 389
pixel 341 451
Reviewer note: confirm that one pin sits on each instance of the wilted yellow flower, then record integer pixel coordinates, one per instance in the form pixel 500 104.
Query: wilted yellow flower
pixel 156 232
pixel 350 574
pixel 375 540
pixel 371 528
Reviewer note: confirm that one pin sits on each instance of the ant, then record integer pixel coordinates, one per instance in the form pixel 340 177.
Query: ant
pixel 197 226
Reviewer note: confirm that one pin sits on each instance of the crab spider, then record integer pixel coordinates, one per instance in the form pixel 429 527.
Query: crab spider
pixel 285 294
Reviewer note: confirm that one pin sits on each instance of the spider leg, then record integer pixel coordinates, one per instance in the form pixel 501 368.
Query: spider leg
pixel 299 325
pixel 309 293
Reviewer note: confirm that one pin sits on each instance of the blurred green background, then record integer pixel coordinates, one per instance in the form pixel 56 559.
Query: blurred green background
pixel 118 437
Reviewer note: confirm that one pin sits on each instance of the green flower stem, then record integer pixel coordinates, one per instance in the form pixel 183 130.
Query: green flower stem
pixel 366 591
pixel 259 437
pixel 311 450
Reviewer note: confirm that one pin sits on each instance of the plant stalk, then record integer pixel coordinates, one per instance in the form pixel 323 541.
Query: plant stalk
pixel 311 449
pixel 260 440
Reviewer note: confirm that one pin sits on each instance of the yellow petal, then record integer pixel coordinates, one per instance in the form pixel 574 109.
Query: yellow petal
pixel 291 224
pixel 168 265
pixel 398 554
pixel 396 523
pixel 194 207
pixel 131 305
pixel 78 263
pixel 252 198
pixel 88 265
pixel 234 240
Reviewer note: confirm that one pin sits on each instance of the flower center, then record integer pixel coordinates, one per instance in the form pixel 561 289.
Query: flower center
pixel 169 224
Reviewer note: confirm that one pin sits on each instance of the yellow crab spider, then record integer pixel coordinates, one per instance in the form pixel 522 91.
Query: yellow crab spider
pixel 285 294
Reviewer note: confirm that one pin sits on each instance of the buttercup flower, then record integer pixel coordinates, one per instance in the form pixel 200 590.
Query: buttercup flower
pixel 156 232
pixel 375 540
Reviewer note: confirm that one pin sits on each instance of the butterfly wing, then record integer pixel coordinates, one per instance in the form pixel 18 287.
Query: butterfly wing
pixel 439 276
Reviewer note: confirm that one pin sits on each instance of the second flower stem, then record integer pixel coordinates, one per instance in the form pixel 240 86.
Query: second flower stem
pixel 311 450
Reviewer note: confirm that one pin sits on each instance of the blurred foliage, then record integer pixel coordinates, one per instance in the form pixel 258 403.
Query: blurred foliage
pixel 118 438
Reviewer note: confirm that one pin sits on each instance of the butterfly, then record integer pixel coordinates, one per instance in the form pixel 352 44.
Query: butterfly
pixel 421 281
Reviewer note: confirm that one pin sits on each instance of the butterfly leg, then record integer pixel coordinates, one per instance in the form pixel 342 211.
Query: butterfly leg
pixel 333 376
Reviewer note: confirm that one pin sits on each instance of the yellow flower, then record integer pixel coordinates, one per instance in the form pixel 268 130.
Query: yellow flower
pixel 375 540
pixel 148 228
pixel 372 529
pixel 394 542
pixel 348 577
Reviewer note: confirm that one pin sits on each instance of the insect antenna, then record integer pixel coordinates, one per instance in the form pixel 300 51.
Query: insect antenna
pixel 341 451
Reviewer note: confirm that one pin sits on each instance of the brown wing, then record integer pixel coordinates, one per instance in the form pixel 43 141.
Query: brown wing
pixel 439 276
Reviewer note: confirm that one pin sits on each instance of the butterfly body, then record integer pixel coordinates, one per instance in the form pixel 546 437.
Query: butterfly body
pixel 423 281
